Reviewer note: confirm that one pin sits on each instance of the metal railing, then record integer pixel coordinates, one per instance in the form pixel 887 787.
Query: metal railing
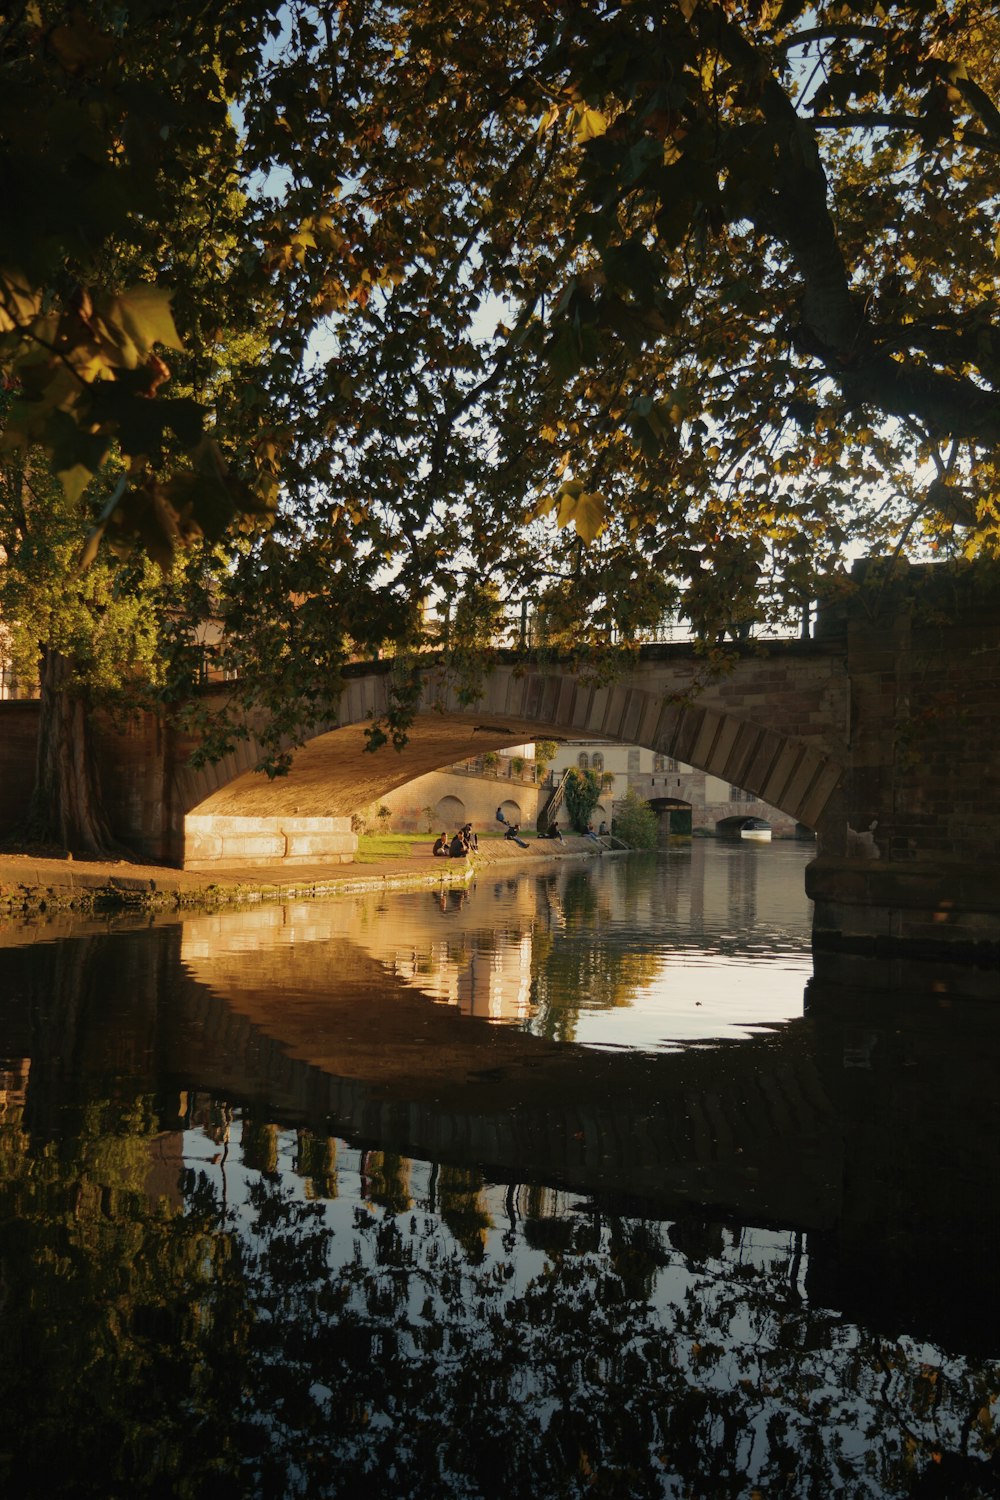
pixel 523 629
pixel 503 769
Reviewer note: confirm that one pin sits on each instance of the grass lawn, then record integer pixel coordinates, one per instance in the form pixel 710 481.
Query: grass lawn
pixel 375 847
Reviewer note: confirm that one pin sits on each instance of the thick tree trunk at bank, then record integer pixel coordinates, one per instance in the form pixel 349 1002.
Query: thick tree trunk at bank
pixel 67 805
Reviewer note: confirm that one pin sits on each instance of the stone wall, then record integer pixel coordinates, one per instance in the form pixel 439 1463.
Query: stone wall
pixel 284 840
pixel 450 798
pixel 924 777
pixel 135 757
pixel 911 839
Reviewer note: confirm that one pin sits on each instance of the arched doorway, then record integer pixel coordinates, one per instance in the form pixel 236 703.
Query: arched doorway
pixel 450 813
pixel 674 817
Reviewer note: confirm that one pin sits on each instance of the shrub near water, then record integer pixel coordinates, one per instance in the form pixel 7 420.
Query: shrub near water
pixel 583 792
pixel 635 822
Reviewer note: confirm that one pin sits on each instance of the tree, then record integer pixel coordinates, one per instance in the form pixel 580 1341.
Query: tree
pixel 582 794
pixel 119 161
pixel 91 643
pixel 630 308
pixel 635 821
pixel 545 753
pixel 739 286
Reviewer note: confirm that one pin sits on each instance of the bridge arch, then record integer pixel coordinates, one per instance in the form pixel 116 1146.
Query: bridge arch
pixel 674 816
pixel 772 725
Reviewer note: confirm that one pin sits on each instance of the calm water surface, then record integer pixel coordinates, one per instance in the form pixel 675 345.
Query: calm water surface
pixel 581 1183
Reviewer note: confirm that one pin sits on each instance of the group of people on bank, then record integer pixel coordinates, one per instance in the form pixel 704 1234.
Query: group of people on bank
pixel 464 842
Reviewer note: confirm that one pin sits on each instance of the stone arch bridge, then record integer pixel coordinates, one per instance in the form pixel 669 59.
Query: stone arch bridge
pixel 881 733
pixel 775 725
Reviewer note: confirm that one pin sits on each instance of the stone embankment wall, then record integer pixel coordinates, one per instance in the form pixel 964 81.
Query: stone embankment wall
pixel 448 799
pixel 210 841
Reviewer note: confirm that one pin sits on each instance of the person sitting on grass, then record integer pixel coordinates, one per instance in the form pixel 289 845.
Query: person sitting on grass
pixel 458 849
pixel 471 839
pixel 441 845
pixel 513 830
pixel 500 816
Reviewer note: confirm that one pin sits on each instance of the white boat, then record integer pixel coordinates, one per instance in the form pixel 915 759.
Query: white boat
pixel 757 830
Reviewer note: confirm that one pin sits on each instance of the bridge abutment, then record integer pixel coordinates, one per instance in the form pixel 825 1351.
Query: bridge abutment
pixel 910 840
pixel 927 909
pixel 266 842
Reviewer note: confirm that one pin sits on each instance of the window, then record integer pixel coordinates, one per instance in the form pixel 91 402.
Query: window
pixel 664 763
pixel 737 794
pixel 583 760
pixel 597 764
pixel 633 762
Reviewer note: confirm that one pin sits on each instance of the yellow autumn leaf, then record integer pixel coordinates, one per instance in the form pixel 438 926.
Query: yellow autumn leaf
pixel 549 118
pixel 143 315
pixel 74 480
pixel 590 124
pixel 586 511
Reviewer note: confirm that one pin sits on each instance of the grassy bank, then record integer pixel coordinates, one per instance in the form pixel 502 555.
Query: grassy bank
pixel 373 848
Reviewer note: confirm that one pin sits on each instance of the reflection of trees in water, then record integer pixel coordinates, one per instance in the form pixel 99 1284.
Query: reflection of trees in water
pixel 124 1319
pixel 385 1180
pixel 268 1349
pixel 316 1164
pixel 586 974
pixel 472 1374
pixel 582 969
pixel 459 1192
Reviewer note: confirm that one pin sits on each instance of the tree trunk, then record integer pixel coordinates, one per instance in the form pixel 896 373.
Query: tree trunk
pixel 67 806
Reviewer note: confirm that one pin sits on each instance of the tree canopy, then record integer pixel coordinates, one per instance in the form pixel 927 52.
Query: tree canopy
pixel 716 283
pixel 621 306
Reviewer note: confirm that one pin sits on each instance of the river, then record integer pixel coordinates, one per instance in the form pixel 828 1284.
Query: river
pixel 580 1183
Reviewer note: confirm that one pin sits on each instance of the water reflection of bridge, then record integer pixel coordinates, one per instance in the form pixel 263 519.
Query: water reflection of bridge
pixel 751 1133
pixel 326 1034
pixel 444 944
pixel 873 1125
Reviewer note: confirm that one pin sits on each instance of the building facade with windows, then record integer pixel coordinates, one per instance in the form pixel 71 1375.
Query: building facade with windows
pixel 703 803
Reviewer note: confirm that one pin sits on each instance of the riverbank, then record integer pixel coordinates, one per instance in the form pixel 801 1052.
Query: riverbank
pixel 30 885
